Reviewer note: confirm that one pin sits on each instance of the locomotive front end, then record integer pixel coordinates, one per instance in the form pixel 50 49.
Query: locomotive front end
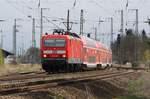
pixel 53 52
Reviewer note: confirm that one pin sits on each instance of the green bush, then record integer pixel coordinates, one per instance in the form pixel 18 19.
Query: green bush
pixel 135 64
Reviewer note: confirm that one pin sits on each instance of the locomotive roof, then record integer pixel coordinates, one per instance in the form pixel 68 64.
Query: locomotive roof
pixel 74 35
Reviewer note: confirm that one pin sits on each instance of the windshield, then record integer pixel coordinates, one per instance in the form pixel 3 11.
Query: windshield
pixel 55 43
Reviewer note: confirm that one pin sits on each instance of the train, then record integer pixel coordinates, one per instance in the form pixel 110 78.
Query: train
pixel 64 51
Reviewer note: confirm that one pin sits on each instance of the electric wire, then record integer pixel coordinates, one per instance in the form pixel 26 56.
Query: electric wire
pixel 106 11
pixel 51 22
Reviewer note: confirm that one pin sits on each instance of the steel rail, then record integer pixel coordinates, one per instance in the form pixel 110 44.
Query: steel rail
pixel 26 87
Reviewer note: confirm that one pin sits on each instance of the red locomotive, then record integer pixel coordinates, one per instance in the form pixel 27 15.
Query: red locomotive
pixel 65 51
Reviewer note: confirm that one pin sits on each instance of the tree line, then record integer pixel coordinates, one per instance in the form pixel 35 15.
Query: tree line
pixel 32 55
pixel 131 47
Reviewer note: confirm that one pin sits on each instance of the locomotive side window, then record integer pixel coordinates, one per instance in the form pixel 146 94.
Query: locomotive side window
pixel 55 43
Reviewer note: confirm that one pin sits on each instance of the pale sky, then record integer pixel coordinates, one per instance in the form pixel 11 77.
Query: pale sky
pixel 93 9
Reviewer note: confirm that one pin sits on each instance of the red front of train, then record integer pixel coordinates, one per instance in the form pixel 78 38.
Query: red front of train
pixel 70 52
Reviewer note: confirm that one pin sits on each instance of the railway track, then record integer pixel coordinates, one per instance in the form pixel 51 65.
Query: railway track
pixel 119 67
pixel 19 76
pixel 34 84
pixel 32 75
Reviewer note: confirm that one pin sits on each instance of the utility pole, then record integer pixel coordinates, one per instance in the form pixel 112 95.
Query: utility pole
pixel 68 24
pixel 68 15
pixel 122 31
pixel 137 22
pixel 111 30
pixel 22 45
pixel 111 41
pixel 122 23
pixel 33 33
pixel 1 44
pixel 95 33
pixel 41 24
pixel 14 36
pixel 99 23
pixel 81 22
pixel 99 26
pixel 136 31
pixel 33 39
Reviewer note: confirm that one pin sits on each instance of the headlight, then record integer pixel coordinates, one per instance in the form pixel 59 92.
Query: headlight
pixel 61 52
pixel 44 56
pixel 48 52
pixel 63 56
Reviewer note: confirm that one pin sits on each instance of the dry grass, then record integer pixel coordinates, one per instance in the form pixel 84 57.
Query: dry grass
pixel 144 88
pixel 20 68
pixel 139 88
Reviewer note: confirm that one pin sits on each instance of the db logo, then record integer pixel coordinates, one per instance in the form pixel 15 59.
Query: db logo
pixel 54 51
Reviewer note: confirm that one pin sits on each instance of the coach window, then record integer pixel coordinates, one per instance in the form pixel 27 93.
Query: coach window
pixel 84 50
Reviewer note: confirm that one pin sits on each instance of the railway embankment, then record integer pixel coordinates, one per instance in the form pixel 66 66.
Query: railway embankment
pixel 129 86
pixel 8 69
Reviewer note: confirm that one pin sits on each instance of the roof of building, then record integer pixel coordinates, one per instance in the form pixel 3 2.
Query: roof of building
pixel 6 53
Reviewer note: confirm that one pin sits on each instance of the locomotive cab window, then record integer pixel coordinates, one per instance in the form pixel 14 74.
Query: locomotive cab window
pixel 55 43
